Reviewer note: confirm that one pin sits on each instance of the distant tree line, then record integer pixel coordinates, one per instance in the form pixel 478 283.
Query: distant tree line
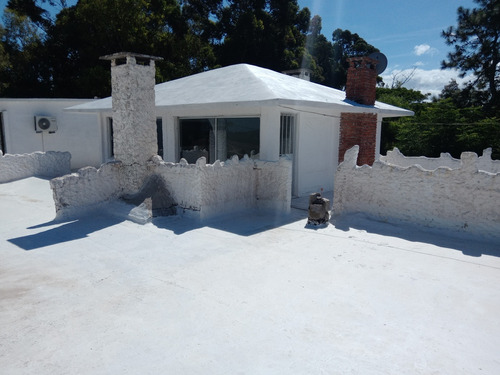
pixel 58 56
pixel 47 53
pixel 460 118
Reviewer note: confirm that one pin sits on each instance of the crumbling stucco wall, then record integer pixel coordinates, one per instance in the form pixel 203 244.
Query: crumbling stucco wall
pixel 200 190
pixel 464 198
pixel 44 164
pixel 208 190
pixel 395 157
pixel 86 188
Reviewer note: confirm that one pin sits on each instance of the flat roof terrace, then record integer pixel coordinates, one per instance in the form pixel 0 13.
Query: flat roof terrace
pixel 252 294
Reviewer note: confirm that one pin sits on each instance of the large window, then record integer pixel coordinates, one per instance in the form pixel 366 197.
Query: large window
pixel 219 138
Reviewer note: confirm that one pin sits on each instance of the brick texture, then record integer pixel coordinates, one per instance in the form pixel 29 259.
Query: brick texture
pixel 358 129
pixel 361 80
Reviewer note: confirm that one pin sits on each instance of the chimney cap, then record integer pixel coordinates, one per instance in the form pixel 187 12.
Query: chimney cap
pixel 121 55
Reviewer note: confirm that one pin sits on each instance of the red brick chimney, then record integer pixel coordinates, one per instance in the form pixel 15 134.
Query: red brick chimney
pixel 360 128
pixel 361 80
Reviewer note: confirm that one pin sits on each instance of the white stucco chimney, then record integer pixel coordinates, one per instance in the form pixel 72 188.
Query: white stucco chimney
pixel 133 97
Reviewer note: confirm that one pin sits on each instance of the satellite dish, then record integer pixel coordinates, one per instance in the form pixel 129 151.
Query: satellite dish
pixel 382 61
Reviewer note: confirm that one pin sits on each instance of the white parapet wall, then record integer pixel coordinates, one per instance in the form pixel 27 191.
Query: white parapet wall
pixel 224 187
pixel 199 190
pixel 395 157
pixel 43 164
pixel 86 189
pixel 464 198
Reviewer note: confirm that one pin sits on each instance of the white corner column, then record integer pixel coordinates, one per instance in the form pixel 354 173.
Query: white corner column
pixel 270 133
pixel 170 139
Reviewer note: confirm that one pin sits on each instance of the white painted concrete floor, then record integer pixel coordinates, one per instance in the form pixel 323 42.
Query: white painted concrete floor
pixel 250 294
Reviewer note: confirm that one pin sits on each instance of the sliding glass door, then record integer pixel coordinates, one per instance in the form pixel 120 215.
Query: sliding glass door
pixel 219 138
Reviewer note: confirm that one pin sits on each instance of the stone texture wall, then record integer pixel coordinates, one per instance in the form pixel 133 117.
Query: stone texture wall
pixel 44 164
pixel 395 157
pixel 208 190
pixel 134 120
pixel 86 189
pixel 199 190
pixel 464 198
pixel 358 129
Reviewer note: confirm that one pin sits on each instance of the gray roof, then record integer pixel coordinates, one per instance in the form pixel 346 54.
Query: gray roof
pixel 248 84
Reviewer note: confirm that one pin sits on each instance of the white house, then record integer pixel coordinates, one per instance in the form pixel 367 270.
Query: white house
pixel 244 109
pixel 20 132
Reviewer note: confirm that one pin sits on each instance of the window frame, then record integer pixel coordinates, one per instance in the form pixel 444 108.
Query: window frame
pixel 213 154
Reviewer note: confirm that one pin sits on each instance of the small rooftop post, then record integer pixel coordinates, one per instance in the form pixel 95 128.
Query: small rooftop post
pixel 133 98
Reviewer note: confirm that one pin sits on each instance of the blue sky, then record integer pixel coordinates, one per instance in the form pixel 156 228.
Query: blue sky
pixel 407 32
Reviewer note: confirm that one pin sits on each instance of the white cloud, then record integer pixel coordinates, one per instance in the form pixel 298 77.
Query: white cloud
pixel 427 81
pixel 423 49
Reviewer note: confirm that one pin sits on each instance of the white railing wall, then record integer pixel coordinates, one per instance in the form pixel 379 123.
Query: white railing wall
pixel 395 157
pixel 43 164
pixel 200 190
pixel 465 198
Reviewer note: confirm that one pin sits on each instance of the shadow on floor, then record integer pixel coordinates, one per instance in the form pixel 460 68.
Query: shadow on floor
pixel 65 231
pixel 467 243
pixel 240 223
pixel 71 229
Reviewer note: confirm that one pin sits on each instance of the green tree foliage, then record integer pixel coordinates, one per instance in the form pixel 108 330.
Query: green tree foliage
pixel 268 33
pixel 403 98
pixel 66 62
pixel 94 28
pixel 318 55
pixel 22 45
pixel 476 42
pixel 34 11
pixel 5 67
pixel 464 97
pixel 345 45
pixel 438 126
pixel 58 56
pixel 461 118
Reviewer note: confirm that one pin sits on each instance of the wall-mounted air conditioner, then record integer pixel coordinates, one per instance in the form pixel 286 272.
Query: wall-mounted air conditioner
pixel 45 124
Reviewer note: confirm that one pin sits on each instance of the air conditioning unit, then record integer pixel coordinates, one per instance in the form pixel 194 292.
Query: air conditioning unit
pixel 45 124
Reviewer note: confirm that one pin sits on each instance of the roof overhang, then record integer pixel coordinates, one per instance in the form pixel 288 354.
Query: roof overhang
pixel 322 108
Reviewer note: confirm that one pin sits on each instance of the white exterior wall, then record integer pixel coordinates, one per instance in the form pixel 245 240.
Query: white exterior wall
pixel 317 141
pixel 464 198
pixel 77 133
pixel 45 164
pixel 201 190
pixel 316 147
pixel 270 134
